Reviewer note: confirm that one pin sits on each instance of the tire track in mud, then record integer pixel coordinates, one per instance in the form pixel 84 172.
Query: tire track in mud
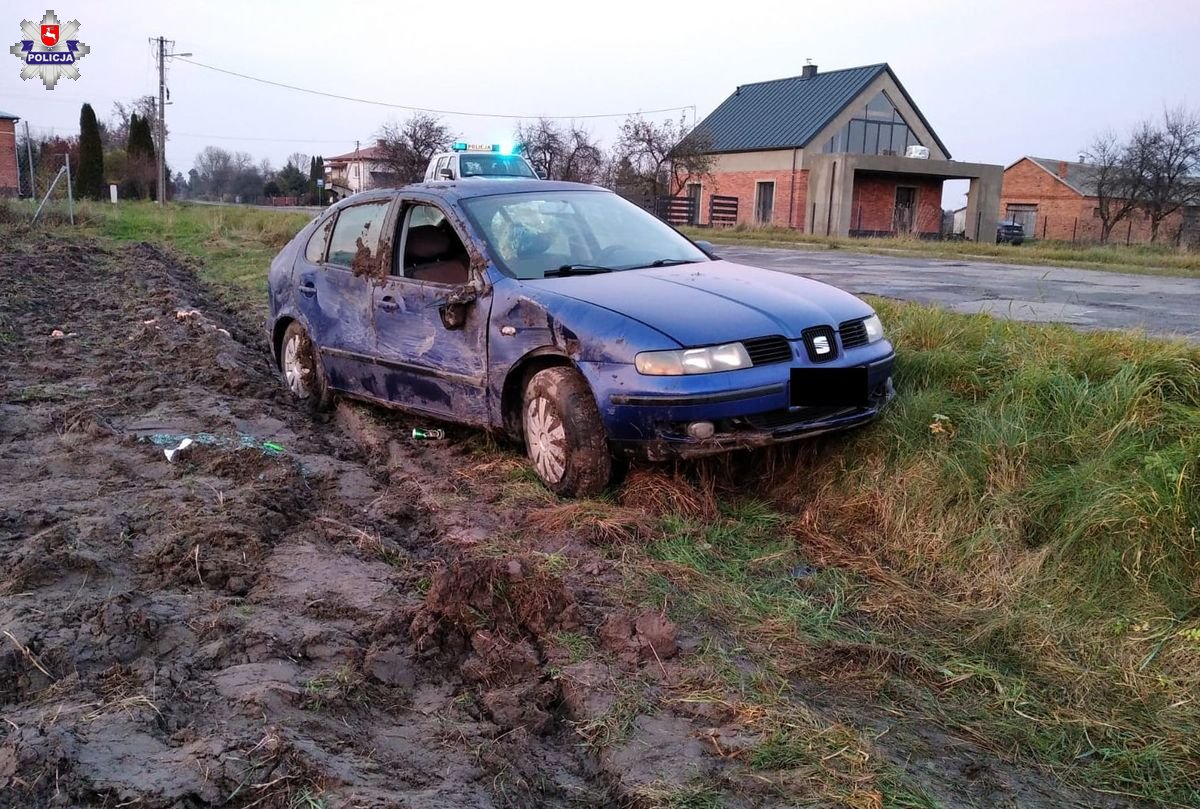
pixel 230 629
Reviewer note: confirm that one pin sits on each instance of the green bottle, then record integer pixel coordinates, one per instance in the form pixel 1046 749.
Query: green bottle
pixel 428 435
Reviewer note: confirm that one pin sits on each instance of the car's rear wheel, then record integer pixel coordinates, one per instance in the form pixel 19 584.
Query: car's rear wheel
pixel 302 371
pixel 564 437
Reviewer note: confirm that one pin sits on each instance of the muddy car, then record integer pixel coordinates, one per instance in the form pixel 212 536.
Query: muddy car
pixel 570 319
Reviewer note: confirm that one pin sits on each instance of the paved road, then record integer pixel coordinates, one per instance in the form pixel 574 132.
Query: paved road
pixel 1082 298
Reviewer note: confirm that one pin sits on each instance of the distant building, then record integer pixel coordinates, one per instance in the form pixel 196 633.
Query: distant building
pixel 10 170
pixel 825 153
pixel 360 170
pixel 1056 200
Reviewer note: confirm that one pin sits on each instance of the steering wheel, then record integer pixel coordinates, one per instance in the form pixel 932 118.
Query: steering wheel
pixel 610 256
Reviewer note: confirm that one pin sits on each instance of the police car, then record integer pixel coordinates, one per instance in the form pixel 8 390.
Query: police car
pixel 479 161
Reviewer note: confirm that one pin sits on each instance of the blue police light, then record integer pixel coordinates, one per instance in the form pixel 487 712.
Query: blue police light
pixel 504 148
pixel 459 146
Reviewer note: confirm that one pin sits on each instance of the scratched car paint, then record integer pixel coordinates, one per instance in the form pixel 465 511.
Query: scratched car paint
pixel 568 318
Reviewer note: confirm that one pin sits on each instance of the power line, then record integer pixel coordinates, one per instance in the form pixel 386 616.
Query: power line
pixel 425 109
pixel 268 140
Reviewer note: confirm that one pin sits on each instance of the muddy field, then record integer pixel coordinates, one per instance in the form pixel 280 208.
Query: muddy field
pixel 300 613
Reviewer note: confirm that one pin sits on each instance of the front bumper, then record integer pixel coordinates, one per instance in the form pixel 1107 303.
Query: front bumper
pixel 650 416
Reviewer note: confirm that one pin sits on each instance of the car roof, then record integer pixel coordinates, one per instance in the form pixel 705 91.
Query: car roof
pixel 455 190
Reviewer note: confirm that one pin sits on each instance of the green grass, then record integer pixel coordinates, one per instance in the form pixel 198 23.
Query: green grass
pixel 1136 259
pixel 1019 537
pixel 235 244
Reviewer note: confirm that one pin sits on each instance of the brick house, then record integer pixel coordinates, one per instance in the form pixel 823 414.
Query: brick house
pixel 1056 200
pixel 10 169
pixel 826 153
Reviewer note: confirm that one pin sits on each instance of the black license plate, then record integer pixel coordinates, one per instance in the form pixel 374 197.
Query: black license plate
pixel 826 387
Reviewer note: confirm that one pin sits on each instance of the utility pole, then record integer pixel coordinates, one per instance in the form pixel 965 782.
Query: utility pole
pixel 163 55
pixel 29 156
pixel 162 118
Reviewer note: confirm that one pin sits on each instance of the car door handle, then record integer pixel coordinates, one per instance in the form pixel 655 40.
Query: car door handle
pixel 308 288
pixel 388 304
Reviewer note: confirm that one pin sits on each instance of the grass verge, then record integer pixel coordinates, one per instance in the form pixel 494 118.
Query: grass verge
pixel 1134 259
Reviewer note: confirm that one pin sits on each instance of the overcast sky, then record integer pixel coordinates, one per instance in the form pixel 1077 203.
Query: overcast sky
pixel 996 80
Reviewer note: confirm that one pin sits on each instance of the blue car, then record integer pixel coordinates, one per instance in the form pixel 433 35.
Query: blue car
pixel 570 319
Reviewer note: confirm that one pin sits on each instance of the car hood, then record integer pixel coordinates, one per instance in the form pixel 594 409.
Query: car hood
pixel 713 301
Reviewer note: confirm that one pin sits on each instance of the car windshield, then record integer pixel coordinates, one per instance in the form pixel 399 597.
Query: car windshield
pixel 535 234
pixel 493 165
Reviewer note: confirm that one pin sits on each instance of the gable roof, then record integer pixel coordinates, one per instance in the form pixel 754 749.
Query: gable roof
pixel 1079 176
pixel 789 113
pixel 8 116
pixel 365 153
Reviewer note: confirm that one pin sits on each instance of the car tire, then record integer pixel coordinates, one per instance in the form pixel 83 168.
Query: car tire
pixel 564 437
pixel 300 363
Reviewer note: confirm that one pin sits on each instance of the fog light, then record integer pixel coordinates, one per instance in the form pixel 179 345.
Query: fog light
pixel 701 430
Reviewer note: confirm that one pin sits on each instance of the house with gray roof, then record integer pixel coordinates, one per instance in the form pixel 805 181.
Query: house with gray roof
pixel 1057 200
pixel 842 152
pixel 10 170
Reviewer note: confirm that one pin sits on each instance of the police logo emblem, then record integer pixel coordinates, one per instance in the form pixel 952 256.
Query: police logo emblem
pixel 50 53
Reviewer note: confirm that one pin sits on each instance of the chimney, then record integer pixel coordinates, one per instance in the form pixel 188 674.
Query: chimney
pixel 1062 169
pixel 809 71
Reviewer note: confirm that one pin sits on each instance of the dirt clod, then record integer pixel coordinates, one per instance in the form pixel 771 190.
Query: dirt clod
pixel 649 637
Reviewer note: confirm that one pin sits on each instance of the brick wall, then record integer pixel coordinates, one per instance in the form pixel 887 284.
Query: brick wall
pixel 8 159
pixel 1063 214
pixel 742 184
pixel 873 205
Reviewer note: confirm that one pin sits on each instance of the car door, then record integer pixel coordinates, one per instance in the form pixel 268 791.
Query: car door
pixel 334 290
pixel 433 365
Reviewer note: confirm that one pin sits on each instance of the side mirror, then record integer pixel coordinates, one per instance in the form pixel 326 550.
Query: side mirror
pixel 453 309
pixel 707 247
pixel 445 174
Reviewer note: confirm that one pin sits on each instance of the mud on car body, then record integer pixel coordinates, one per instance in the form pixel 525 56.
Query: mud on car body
pixel 568 318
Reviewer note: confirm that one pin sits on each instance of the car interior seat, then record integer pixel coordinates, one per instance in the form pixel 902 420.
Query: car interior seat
pixel 433 254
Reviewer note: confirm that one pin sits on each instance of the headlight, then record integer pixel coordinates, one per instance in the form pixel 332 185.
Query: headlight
pixel 692 360
pixel 874 328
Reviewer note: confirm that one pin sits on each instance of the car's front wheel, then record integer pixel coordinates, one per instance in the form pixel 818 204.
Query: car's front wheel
pixel 302 369
pixel 564 437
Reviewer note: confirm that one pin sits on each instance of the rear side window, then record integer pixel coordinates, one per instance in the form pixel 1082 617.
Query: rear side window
pixel 315 251
pixel 355 241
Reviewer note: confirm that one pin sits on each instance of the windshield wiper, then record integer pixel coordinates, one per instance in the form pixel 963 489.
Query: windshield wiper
pixel 575 269
pixel 669 262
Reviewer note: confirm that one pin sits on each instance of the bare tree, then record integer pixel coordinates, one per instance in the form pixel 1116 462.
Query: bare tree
pixel 407 148
pixel 115 134
pixel 561 154
pixel 660 159
pixel 1115 180
pixel 1169 156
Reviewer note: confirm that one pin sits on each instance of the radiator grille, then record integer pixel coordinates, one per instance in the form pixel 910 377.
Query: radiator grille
pixel 854 333
pixel 766 350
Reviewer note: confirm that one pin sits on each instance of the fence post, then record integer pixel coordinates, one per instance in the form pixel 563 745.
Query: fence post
pixel 70 191
pixel 1128 232
pixel 1045 224
pixel 1074 228
pixel 812 219
pixel 979 226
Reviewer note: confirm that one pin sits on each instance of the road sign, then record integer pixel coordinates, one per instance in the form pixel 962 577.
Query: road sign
pixel 320 183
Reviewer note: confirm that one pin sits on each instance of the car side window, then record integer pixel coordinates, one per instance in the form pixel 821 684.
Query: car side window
pixel 442 163
pixel 433 251
pixel 355 239
pixel 314 252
